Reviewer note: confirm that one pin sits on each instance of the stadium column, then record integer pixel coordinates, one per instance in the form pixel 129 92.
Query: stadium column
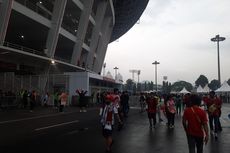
pixel 107 29
pixel 100 14
pixel 82 28
pixel 5 10
pixel 51 43
pixel 58 13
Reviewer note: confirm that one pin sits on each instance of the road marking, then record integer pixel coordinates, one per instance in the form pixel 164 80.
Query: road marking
pixel 37 117
pixel 72 132
pixel 77 131
pixel 135 107
pixel 56 125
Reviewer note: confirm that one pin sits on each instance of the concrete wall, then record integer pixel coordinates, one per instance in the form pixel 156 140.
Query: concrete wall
pixel 79 80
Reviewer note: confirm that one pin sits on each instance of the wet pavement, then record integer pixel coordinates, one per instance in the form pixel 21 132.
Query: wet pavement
pixel 46 130
pixel 138 138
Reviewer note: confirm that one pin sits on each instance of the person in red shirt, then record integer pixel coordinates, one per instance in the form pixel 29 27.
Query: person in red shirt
pixel 152 103
pixel 195 123
pixel 170 111
pixel 107 113
pixel 214 111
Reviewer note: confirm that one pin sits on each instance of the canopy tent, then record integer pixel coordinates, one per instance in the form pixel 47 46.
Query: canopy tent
pixel 173 92
pixel 151 91
pixel 224 88
pixel 184 91
pixel 206 89
pixel 199 89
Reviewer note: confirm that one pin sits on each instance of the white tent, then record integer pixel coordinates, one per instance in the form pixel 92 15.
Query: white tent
pixel 109 75
pixel 206 89
pixel 184 91
pixel 173 92
pixel 224 88
pixel 151 91
pixel 199 89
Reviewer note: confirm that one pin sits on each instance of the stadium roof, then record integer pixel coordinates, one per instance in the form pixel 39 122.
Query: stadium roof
pixel 127 13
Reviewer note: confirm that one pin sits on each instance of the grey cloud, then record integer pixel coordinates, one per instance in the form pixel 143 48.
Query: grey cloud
pixel 155 8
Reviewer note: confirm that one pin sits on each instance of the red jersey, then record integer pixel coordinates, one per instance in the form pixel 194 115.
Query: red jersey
pixel 186 100
pixel 116 100
pixel 214 106
pixel 152 105
pixel 205 100
pixel 193 125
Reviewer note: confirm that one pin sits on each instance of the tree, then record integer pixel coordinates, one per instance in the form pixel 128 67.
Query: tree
pixel 202 80
pixel 151 85
pixel 138 86
pixel 134 88
pixel 178 86
pixel 145 86
pixel 166 87
pixel 129 84
pixel 214 84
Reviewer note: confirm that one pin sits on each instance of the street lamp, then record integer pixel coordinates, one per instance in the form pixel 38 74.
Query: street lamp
pixel 155 63
pixel 53 62
pixel 218 39
pixel 116 68
pixel 138 75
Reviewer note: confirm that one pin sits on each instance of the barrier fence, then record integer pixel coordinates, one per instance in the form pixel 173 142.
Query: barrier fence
pixel 40 83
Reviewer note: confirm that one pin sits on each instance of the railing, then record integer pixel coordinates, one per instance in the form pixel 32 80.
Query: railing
pixel 7 102
pixel 22 48
pixel 35 8
pixel 63 60
pixel 29 50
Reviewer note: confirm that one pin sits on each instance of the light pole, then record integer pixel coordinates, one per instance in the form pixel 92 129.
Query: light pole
pixel 116 68
pixel 138 76
pixel 155 63
pixel 104 65
pixel 218 39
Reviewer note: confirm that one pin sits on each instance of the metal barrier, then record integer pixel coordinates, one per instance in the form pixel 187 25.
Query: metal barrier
pixel 22 48
pixel 7 102
pixel 40 83
pixel 33 51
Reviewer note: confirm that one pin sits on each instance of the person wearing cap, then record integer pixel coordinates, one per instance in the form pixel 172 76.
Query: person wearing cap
pixel 107 113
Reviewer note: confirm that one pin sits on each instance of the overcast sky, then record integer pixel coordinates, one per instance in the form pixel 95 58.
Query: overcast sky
pixel 176 33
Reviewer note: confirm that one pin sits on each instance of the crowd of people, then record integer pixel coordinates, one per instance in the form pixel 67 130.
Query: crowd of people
pixel 7 98
pixel 200 112
pixel 22 99
pixel 28 99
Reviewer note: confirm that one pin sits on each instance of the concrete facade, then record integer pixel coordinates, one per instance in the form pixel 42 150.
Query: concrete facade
pixel 73 33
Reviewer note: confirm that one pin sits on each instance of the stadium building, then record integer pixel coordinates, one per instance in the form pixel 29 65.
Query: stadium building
pixel 49 45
